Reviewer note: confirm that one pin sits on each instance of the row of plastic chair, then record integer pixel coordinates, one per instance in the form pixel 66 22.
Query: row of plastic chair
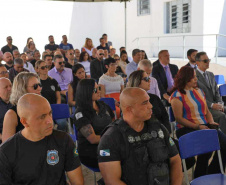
pixel 219 79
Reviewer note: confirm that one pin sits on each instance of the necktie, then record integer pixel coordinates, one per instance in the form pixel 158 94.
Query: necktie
pixel 207 81
pixel 169 78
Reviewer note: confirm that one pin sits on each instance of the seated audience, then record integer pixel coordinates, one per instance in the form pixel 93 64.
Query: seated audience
pixel 1 56
pixel 29 39
pixel 143 55
pixel 77 55
pixel 64 45
pixel 27 65
pixel 61 74
pixel 124 49
pixel 3 71
pixel 16 54
pixel 132 66
pixel 108 43
pixel 123 60
pixel 94 54
pixel 5 105
pixel 147 67
pixel 112 52
pixel 164 73
pixel 78 71
pixel 136 150
pixel 191 53
pixel 85 61
pixel 9 47
pixel 191 113
pixel 31 50
pixel 51 47
pixel 36 57
pixel 111 83
pixel 142 80
pixel 49 61
pixel 38 154
pixel 18 67
pixel 119 70
pixel 103 45
pixel 70 55
pixel 91 117
pixel 8 60
pixel 88 46
pixel 97 66
pixel 25 82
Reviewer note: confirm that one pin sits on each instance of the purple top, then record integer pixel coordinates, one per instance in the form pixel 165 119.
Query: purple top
pixel 64 78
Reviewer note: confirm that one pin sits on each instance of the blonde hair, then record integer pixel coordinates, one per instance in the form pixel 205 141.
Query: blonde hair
pixel 86 44
pixel 20 86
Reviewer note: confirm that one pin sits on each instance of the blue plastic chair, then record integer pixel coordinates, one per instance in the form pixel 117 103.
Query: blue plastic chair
pixel 222 89
pixel 111 103
pixel 61 111
pixel 219 79
pixel 195 143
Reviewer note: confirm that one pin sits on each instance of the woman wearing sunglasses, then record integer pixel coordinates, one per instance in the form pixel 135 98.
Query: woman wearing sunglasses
pixel 141 79
pixel 111 83
pixel 91 117
pixel 84 59
pixel 24 82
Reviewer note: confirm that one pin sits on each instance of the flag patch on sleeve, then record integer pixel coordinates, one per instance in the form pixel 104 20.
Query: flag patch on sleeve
pixel 105 152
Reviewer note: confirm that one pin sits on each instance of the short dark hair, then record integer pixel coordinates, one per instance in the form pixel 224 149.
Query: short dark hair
pixel 101 38
pixel 47 56
pixel 75 81
pixel 18 61
pixel 135 51
pixel 190 51
pixel 162 51
pixel 50 36
pixel 56 57
pixel 109 60
pixel 198 55
pixel 121 48
pixel 104 34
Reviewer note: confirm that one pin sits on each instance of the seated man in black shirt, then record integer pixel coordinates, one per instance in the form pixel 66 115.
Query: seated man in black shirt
pixel 103 45
pixel 51 47
pixel 5 91
pixel 38 154
pixel 135 150
pixel 36 57
pixel 9 47
pixel 8 59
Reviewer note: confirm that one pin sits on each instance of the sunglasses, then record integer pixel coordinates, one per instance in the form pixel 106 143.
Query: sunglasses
pixel 4 72
pixel 146 79
pixel 62 63
pixel 101 54
pixel 96 89
pixel 206 60
pixel 44 67
pixel 35 86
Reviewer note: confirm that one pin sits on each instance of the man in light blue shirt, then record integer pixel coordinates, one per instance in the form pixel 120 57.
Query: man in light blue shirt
pixel 132 66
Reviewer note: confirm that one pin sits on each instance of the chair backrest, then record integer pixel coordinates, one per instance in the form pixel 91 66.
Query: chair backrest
pixel 171 115
pixel 198 142
pixel 60 111
pixel 219 79
pixel 110 102
pixel 222 90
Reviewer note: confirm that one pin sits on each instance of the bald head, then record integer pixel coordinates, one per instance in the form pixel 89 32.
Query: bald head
pixel 8 58
pixel 29 103
pixel 5 89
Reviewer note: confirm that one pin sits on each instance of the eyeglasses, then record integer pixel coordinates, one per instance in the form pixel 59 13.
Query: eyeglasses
pixel 44 67
pixel 96 89
pixel 116 59
pixel 35 86
pixel 71 53
pixel 101 54
pixel 62 63
pixel 205 61
pixel 4 72
pixel 146 79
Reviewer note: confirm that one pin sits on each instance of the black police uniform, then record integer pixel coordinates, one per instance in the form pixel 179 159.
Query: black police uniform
pixel 144 155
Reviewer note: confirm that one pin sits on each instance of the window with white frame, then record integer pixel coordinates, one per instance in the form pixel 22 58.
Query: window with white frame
pixel 178 16
pixel 143 7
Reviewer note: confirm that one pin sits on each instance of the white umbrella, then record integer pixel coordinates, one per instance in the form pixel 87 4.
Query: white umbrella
pixel 85 1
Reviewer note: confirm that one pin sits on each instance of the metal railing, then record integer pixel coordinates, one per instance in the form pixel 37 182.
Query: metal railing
pixel 184 42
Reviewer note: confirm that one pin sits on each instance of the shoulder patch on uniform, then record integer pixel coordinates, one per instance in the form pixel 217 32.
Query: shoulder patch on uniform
pixel 105 152
pixel 75 152
pixel 171 141
pixel 78 115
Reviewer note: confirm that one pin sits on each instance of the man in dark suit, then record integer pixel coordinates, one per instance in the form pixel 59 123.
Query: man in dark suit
pixel 207 83
pixel 164 72
pixel 191 53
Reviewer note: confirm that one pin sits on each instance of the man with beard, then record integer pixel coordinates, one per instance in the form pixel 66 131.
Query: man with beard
pixel 191 57
pixel 51 47
pixel 9 47
pixel 8 59
pixel 36 57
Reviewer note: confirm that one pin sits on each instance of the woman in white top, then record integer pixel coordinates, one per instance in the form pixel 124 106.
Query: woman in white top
pixel 27 65
pixel 123 60
pixel 84 59
pixel 88 47
pixel 111 83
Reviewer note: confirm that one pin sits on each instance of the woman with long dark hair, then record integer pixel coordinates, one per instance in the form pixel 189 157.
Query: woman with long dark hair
pixel 84 59
pixel 123 60
pixel 91 117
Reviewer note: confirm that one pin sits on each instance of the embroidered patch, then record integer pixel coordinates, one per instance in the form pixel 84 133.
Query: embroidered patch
pixel 75 152
pixel 171 141
pixel 154 134
pixel 78 115
pixel 52 157
pixel 161 134
pixel 53 88
pixel 105 152
pixel 131 139
pixel 146 136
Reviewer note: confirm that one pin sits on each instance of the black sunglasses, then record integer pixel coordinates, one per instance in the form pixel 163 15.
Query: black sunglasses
pixel 62 63
pixel 96 89
pixel 206 60
pixel 146 79
pixel 35 86
pixel 44 67
pixel 101 54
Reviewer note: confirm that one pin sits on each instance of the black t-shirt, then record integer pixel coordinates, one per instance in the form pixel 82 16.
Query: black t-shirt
pixel 8 67
pixel 51 47
pixel 36 163
pixel 4 107
pixel 49 88
pixel 33 62
pixel 103 48
pixel 113 145
pixel 68 65
pixel 8 49
pixel 98 122
pixel 19 125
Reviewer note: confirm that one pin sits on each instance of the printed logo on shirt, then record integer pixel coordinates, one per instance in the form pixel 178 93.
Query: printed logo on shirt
pixel 171 141
pixel 161 134
pixel 52 157
pixel 52 87
pixel 105 152
pixel 75 152
pixel 78 115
